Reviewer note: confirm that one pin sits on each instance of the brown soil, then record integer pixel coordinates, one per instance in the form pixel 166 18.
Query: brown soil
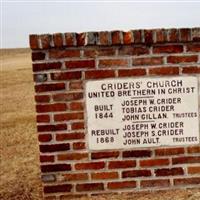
pixel 20 174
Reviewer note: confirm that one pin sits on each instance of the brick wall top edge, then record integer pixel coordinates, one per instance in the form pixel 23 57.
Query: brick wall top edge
pixel 109 38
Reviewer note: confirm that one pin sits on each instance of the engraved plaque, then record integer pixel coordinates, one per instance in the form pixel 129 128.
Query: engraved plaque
pixel 144 112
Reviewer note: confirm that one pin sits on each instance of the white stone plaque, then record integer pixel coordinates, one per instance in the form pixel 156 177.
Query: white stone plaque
pixel 146 112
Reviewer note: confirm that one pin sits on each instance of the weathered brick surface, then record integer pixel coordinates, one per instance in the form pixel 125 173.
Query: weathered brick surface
pixel 90 166
pixel 45 137
pixel 101 155
pixel 164 71
pixel 121 185
pixel 57 188
pixel 70 136
pixel 54 147
pixel 46 66
pixel 136 173
pixel 186 159
pixel 154 162
pixel 89 187
pixel 99 74
pixel 155 183
pixel 62 65
pixel 104 175
pixel 55 168
pixel 169 172
pixel 75 177
pixel 121 164
pixel 169 151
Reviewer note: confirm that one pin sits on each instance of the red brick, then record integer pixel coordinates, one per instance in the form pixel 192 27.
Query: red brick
pixel 55 168
pixel 45 137
pixel 66 76
pixel 48 128
pixel 161 35
pixel 127 37
pixel 58 188
pixel 136 173
pixel 148 36
pixel 104 175
pixel 154 162
pixel 121 185
pixel 194 170
pixel 79 145
pixel 37 56
pixel 89 187
pixel 68 116
pixel 76 106
pixel 196 34
pixel 80 64
pixel 191 70
pixel 80 39
pixel 171 48
pixel 116 37
pixel 155 183
pixel 98 74
pixel 100 155
pixel 72 156
pixel 193 149
pixel 193 47
pixel 169 172
pixel 75 177
pixel 45 158
pixel 49 87
pixel 54 147
pixel 46 66
pixel 68 96
pixel 33 41
pixel 45 41
pixel 130 50
pixel 121 164
pixel 173 35
pixel 131 72
pixel 56 107
pixel 182 59
pixel 77 125
pixel 89 166
pixel 137 34
pixel 113 62
pixel 169 151
pixel 58 40
pixel 104 38
pixel 187 181
pixel 164 71
pixel 70 39
pixel 185 34
pixel 148 61
pixel 57 53
pixel 137 153
pixel 91 53
pixel 70 136
pixel 75 85
pixel 42 98
pixel 185 160
pixel 43 118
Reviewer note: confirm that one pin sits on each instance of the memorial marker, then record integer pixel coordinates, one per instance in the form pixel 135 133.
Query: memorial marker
pixel 145 112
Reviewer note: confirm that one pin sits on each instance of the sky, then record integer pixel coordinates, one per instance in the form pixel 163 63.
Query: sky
pixel 21 18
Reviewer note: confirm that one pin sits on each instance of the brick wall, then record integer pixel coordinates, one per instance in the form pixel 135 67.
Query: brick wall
pixel 62 63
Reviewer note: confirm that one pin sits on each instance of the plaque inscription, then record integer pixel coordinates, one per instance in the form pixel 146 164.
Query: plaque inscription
pixel 146 112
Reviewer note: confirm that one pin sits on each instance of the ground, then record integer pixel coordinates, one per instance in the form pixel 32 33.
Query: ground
pixel 20 173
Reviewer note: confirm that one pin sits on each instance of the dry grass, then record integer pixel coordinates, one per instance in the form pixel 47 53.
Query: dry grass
pixel 20 175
